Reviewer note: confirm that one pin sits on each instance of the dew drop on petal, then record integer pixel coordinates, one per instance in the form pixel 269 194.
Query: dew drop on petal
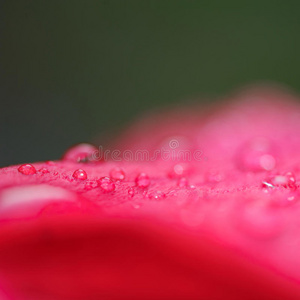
pixel 80 174
pixel 27 169
pixel 44 170
pixel 157 195
pixel 117 174
pixel 80 153
pixel 142 180
pixel 131 191
pixel 286 180
pixel 90 184
pixel 106 184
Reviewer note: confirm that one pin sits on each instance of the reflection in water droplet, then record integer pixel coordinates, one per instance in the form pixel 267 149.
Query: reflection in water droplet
pixel 27 169
pixel 80 153
pixel 257 155
pixel 142 180
pixel 117 174
pixel 80 174
pixel 266 184
pixel 106 184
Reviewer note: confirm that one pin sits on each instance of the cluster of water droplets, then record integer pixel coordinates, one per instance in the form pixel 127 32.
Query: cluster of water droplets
pixel 258 156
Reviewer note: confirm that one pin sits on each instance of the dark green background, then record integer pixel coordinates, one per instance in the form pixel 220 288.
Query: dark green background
pixel 71 70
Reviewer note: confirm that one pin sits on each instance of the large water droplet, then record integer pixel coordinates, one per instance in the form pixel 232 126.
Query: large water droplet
pixel 80 153
pixel 80 174
pixel 106 184
pixel 117 174
pixel 27 169
pixel 142 180
pixel 257 155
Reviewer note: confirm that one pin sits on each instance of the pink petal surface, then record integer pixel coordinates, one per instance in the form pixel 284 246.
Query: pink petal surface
pixel 223 225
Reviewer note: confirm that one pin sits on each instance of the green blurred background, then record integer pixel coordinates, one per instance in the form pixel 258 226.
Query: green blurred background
pixel 71 70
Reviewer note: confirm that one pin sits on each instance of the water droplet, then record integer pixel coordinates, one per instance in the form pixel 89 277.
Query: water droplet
pixel 106 184
pixel 80 153
pixel 142 180
pixel 80 174
pixel 157 195
pixel 131 191
pixel 90 184
pixel 117 174
pixel 44 170
pixel 257 155
pixel 27 169
pixel 286 180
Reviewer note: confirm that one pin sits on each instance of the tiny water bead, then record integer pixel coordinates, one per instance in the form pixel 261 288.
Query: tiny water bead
pixel 80 174
pixel 81 153
pixel 44 171
pixel 142 180
pixel 157 195
pixel 131 191
pixel 257 155
pixel 27 169
pixel 117 174
pixel 106 184
pixel 90 184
